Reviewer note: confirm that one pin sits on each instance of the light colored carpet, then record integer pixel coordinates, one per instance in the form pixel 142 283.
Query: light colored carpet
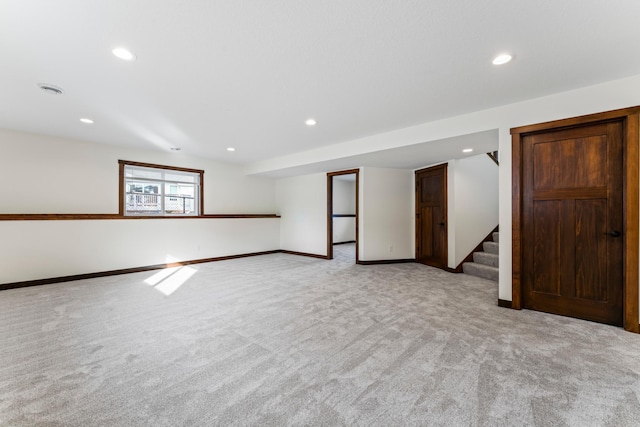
pixel 284 340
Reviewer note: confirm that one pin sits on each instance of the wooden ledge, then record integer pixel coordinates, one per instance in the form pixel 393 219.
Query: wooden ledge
pixel 56 217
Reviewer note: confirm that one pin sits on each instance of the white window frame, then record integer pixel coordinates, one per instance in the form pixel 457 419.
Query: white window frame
pixel 193 177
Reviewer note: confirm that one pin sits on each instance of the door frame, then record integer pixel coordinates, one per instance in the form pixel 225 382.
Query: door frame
pixel 330 176
pixel 630 118
pixel 445 201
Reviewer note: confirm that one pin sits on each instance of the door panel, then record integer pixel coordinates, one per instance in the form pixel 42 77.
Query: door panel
pixel 546 251
pixel 571 163
pixel 427 235
pixel 431 216
pixel 572 184
pixel 591 250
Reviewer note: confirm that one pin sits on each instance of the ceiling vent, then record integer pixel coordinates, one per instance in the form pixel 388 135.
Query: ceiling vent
pixel 52 89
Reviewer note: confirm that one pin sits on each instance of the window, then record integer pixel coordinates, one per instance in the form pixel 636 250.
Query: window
pixel 156 190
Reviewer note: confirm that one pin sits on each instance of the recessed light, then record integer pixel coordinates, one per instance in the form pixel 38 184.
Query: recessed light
pixel 467 150
pixel 175 148
pixel 231 149
pixel 51 89
pixel 310 122
pixel 123 53
pixel 502 59
pixel 87 121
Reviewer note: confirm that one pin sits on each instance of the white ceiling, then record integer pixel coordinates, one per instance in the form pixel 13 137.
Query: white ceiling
pixel 247 73
pixel 407 157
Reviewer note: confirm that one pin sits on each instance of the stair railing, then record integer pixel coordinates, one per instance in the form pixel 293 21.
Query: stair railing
pixel 494 156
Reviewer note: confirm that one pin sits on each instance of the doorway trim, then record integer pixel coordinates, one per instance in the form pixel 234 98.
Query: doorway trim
pixel 330 176
pixel 630 118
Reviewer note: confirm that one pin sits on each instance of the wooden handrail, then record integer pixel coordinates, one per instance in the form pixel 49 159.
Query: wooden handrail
pixel 494 156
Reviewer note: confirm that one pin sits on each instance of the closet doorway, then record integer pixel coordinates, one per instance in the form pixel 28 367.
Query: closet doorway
pixel 431 216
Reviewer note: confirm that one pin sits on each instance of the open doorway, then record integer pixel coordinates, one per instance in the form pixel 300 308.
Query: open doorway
pixel 342 215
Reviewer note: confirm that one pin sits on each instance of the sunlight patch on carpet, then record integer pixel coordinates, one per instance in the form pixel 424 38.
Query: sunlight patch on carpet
pixel 168 280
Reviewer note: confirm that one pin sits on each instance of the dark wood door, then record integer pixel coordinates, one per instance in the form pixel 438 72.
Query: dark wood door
pixel 572 222
pixel 431 216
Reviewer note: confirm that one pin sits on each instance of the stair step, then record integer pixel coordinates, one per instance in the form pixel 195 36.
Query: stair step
pixel 496 236
pixel 480 270
pixel 486 258
pixel 491 247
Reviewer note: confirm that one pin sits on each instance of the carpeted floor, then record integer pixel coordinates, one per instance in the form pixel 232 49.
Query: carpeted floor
pixel 283 340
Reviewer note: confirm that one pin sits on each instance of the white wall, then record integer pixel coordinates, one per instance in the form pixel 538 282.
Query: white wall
pixel 344 203
pixel 42 174
pixel 302 203
pixel 344 196
pixel 344 229
pixel 34 250
pixel 55 175
pixel 386 214
pixel 473 204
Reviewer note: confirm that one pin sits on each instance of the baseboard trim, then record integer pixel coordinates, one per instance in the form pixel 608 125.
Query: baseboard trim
pixel 387 261
pixel 504 303
pixel 344 243
pixel 75 277
pixel 108 273
pixel 303 254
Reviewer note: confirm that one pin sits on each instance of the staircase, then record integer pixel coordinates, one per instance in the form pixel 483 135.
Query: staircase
pixel 485 263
